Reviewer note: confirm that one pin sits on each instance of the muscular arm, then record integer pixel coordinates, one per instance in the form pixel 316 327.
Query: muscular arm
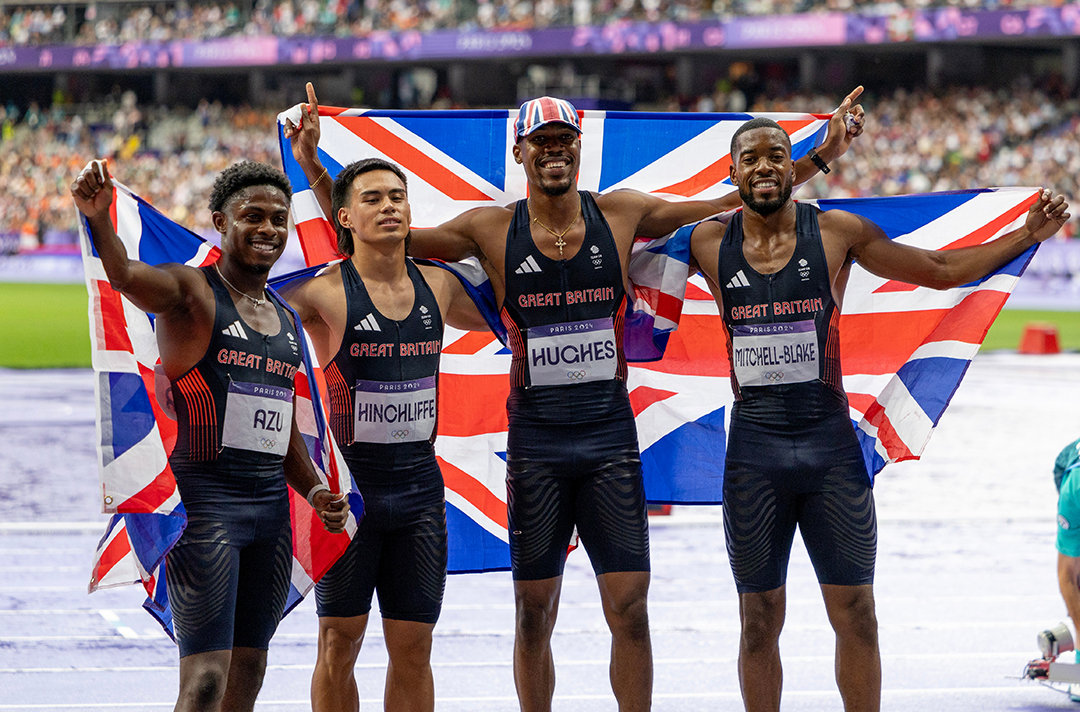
pixel 304 140
pixel 152 289
pixel 458 308
pixel 942 269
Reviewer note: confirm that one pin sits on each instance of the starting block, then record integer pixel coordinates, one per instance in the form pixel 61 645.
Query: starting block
pixel 1039 338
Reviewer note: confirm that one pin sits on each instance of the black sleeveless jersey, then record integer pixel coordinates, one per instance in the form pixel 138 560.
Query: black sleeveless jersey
pixel 564 321
pixel 781 328
pixel 382 381
pixel 235 405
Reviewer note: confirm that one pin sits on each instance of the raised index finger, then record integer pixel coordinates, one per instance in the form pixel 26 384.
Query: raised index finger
pixel 313 102
pixel 850 98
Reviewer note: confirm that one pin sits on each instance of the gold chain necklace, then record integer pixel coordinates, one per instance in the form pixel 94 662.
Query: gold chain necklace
pixel 254 300
pixel 559 241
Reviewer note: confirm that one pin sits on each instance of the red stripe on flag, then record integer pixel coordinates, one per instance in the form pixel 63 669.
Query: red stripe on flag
pixel 149 498
pixel 117 549
pixel 477 494
pixel 318 241
pixel 470 343
pixel 643 396
pixel 696 349
pixel 886 435
pixel 472 404
pixel 330 110
pixel 860 401
pixel 411 159
pixel 695 292
pixel 976 237
pixel 665 305
pixel 882 342
pixel 315 548
pixel 166 425
pixel 110 309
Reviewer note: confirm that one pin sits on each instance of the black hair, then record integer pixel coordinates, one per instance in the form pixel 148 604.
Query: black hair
pixel 758 123
pixel 342 190
pixel 244 175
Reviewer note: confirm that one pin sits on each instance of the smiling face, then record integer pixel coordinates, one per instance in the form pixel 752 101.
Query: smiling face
pixel 551 156
pixel 763 170
pixel 377 209
pixel 254 227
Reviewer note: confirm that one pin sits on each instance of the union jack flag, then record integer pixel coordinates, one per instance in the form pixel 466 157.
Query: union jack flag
pixel 905 349
pixel 135 434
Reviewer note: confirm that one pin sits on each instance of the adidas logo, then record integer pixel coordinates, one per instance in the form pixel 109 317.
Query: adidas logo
pixel 529 266
pixel 368 323
pixel 739 280
pixel 235 329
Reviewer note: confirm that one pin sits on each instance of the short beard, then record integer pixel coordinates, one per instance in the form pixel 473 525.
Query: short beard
pixel 557 189
pixel 766 207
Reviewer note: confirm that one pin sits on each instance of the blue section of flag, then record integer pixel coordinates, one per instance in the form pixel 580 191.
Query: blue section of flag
pixel 130 414
pixel 471 547
pixel 873 461
pixel 686 466
pixel 163 240
pixel 932 382
pixel 480 146
pixel 630 146
pixel 158 605
pixel 152 535
pixel 902 214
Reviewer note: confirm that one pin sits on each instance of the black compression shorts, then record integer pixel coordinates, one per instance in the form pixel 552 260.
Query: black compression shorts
pixel 811 476
pixel 583 474
pixel 228 575
pixel 399 551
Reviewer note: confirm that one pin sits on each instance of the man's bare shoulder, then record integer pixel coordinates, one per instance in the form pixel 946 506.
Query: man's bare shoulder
pixel 620 199
pixel 314 290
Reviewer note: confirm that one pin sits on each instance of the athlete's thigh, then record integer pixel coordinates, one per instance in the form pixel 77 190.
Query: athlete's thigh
pixel 610 511
pixel 838 524
pixel 201 576
pixel 346 589
pixel 540 517
pixel 412 572
pixel 263 587
pixel 759 523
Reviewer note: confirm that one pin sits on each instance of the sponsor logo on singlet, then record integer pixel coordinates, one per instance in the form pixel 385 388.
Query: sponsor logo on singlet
pixel 425 316
pixel 1063 522
pixel 771 354
pixel 529 266
pixel 572 352
pixel 394 411
pixel 235 329
pixel 804 270
pixel 596 257
pixel 258 417
pixel 739 280
pixel 368 323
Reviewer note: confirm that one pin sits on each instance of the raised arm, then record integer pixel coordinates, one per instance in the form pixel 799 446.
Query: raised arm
pixel 942 269
pixel 152 289
pixel 661 217
pixel 304 139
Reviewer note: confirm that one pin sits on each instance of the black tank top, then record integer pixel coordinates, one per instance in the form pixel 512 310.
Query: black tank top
pixel 564 321
pixel 382 381
pixel 781 328
pixel 235 405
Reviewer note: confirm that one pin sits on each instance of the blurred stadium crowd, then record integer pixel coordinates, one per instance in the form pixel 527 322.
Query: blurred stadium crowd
pixel 108 23
pixel 917 141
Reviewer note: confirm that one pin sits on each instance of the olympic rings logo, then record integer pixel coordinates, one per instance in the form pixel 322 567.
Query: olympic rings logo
pixel 268 443
pixel 774 376
pixel 399 434
pixel 575 375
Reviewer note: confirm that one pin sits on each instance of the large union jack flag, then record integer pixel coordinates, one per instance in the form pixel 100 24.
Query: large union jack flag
pixel 135 435
pixel 905 349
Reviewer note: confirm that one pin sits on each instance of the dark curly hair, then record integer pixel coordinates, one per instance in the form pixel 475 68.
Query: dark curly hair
pixel 758 123
pixel 244 175
pixel 342 191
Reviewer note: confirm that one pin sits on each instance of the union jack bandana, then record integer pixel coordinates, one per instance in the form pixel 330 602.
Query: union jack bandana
pixel 538 112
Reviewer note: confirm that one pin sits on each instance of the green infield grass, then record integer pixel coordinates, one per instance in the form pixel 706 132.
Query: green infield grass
pixel 45 326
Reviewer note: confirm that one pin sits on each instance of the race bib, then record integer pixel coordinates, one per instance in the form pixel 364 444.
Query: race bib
pixel 771 354
pixel 394 411
pixel 574 352
pixel 258 417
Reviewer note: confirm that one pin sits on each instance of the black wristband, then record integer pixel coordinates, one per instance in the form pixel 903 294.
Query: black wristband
pixel 818 161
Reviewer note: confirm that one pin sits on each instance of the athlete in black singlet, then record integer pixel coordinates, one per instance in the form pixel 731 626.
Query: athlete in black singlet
pixel 778 272
pixel 557 294
pixel 230 352
pixel 376 320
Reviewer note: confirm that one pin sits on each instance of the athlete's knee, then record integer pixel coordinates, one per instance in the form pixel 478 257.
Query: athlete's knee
pixel 625 600
pixel 852 612
pixel 408 644
pixel 203 689
pixel 762 618
pixel 536 609
pixel 339 646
